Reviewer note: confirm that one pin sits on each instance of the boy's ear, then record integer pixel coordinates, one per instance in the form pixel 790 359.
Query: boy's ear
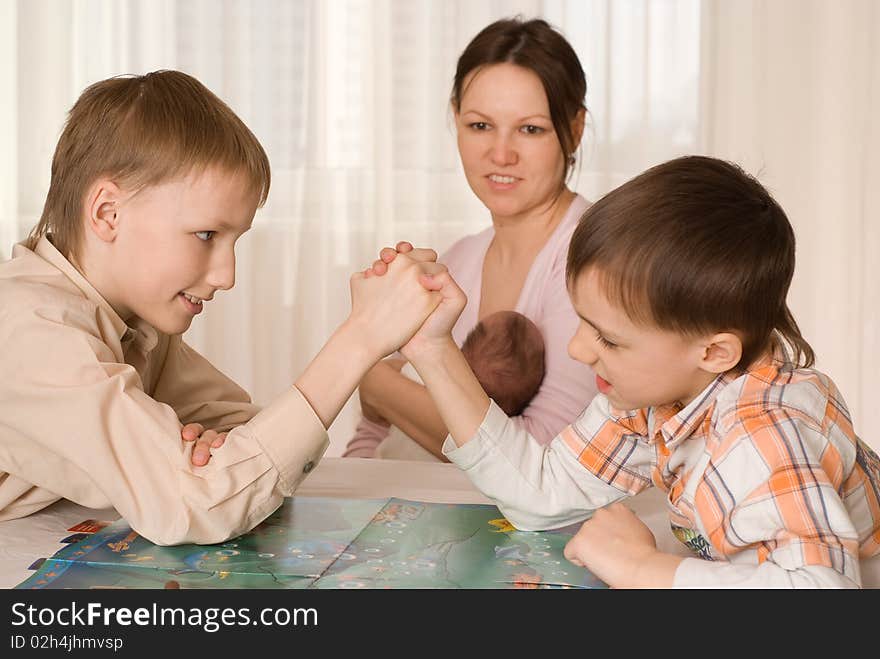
pixel 102 205
pixel 721 352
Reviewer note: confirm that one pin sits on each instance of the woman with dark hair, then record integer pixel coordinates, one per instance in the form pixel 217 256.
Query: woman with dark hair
pixel 518 100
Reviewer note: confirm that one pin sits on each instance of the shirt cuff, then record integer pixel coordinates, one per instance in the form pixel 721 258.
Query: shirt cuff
pixel 292 436
pixel 698 573
pixel 692 573
pixel 483 441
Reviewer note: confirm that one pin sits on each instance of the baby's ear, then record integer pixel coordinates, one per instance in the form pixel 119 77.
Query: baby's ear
pixel 102 209
pixel 721 352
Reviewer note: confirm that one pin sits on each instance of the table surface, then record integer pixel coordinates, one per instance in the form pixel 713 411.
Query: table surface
pixel 38 535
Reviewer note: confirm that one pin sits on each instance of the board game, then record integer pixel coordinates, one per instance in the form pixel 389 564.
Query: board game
pixel 314 542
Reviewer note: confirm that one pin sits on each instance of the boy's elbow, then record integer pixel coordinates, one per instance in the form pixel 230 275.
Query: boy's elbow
pixel 159 535
pixel 190 528
pixel 535 521
pixel 525 522
pixel 190 536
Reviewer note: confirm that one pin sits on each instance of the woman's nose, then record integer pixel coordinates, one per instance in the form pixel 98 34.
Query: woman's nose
pixel 502 152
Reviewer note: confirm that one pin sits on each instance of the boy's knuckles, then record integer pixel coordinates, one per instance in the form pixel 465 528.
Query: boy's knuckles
pixel 423 254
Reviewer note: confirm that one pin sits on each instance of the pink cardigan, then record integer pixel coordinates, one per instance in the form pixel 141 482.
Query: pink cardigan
pixel 568 385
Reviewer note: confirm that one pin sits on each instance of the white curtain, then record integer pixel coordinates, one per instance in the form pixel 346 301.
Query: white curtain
pixel 791 90
pixel 350 99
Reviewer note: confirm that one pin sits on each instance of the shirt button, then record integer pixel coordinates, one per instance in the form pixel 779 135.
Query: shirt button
pixel 308 466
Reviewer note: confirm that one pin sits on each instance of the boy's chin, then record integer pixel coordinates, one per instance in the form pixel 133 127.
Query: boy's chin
pixel 623 405
pixel 170 325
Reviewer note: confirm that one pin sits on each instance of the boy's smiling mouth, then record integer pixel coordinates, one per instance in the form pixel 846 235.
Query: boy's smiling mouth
pixel 192 303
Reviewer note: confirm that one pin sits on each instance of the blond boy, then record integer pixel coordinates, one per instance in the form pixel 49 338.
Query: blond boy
pixel 154 179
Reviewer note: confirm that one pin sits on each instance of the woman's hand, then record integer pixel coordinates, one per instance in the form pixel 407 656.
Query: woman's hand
pixel 387 310
pixel 204 440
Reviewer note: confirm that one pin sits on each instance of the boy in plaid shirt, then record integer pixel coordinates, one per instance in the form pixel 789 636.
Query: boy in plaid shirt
pixel 680 278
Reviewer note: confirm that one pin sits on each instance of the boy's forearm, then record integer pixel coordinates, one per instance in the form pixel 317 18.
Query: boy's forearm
pixel 654 570
pixel 407 405
pixel 658 571
pixel 332 376
pixel 457 393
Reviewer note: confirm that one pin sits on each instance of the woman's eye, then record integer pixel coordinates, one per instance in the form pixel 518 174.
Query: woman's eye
pixel 532 130
pixel 205 235
pixel 479 125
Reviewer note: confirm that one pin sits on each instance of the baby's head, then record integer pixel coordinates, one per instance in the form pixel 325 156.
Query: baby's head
pixel 678 275
pixel 151 170
pixel 506 353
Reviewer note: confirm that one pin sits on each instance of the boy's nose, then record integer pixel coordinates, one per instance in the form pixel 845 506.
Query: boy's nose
pixel 580 351
pixel 222 274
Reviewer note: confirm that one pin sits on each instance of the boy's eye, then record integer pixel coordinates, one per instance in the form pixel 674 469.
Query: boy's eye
pixel 205 235
pixel 532 129
pixel 605 342
pixel 479 125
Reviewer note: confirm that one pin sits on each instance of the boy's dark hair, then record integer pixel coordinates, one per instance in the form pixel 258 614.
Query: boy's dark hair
pixel 695 245
pixel 142 131
pixel 506 353
pixel 536 46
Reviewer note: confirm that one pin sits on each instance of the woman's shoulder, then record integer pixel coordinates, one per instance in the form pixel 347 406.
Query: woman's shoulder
pixel 578 207
pixel 464 258
pixel 555 252
pixel 467 246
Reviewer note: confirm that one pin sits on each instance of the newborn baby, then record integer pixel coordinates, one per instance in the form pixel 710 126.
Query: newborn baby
pixel 506 353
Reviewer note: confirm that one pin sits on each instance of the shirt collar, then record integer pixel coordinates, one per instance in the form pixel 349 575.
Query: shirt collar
pixel 678 426
pixel 49 253
pixel 680 423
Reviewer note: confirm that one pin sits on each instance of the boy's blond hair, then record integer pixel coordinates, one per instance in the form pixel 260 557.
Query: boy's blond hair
pixel 141 131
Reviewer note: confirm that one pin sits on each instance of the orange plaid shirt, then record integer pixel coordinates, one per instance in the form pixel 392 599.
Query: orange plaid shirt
pixel 761 464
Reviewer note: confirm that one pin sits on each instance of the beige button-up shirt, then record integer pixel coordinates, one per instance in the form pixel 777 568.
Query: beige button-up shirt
pixel 91 410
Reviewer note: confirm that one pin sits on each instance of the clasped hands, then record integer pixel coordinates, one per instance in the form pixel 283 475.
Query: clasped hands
pixel 411 317
pixel 396 302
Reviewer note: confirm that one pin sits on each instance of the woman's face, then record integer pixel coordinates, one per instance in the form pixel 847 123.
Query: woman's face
pixel 509 149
